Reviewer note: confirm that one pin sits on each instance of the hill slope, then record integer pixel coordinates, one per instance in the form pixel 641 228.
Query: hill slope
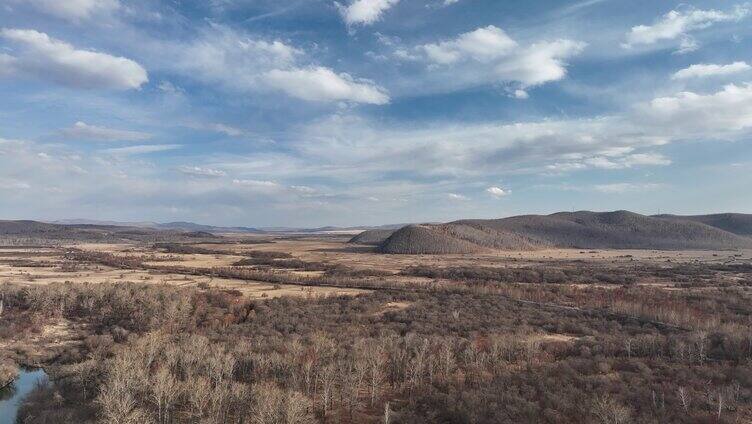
pixel 88 232
pixel 737 223
pixel 372 237
pixel 588 230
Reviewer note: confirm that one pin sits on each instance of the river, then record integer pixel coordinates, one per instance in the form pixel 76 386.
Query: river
pixel 12 396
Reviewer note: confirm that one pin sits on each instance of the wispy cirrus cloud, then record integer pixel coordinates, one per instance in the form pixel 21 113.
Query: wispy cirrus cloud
pixel 243 62
pixel 228 130
pixel 197 171
pixel 679 24
pixel 75 10
pixel 621 188
pixel 141 149
pixel 13 184
pixel 82 130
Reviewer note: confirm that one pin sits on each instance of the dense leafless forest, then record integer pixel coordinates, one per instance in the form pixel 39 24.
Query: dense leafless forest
pixel 311 329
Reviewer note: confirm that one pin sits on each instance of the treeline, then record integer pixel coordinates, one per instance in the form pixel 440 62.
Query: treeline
pixel 527 275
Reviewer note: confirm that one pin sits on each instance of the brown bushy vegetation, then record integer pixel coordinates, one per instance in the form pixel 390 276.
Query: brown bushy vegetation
pixel 8 372
pixel 335 275
pixel 519 341
pixel 164 354
pixel 538 275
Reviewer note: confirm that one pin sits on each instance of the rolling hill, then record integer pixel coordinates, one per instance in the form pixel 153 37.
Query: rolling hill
pixel 587 230
pixel 92 232
pixel 372 237
pixel 737 223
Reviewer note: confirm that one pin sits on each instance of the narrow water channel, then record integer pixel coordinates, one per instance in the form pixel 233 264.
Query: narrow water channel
pixel 12 396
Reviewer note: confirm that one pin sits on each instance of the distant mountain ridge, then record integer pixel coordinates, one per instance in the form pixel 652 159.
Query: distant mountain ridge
pixel 25 229
pixel 177 226
pixel 584 229
pixel 190 226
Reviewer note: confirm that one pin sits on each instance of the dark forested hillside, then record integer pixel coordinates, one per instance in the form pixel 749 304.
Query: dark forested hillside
pixel 28 231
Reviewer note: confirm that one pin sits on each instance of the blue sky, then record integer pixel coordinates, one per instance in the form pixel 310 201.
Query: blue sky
pixel 313 112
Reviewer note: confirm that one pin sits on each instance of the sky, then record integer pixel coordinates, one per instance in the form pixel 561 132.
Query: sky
pixel 368 112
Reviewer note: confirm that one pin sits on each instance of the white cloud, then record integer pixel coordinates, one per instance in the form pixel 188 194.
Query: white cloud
pixel 565 167
pixel 602 163
pixel 356 150
pixel 610 158
pixel 322 84
pixel 497 192
pixel 678 24
pixel 711 115
pixel 483 44
pixel 221 54
pixel 92 132
pixel 198 171
pixel 490 55
pixel 303 189
pixel 540 63
pixel 47 58
pixel 258 186
pixel 238 62
pixel 702 70
pixel 616 151
pixel 75 10
pixel 687 45
pixel 227 130
pixel 13 184
pixel 168 87
pixel 521 94
pixel 255 183
pixel 645 159
pixel 364 12
pixel 620 188
pixel 141 149
pixel 455 196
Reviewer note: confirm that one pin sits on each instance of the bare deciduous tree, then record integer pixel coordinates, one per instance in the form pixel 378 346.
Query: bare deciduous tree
pixel 164 390
pixel 608 410
pixel 327 378
pixel 684 398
